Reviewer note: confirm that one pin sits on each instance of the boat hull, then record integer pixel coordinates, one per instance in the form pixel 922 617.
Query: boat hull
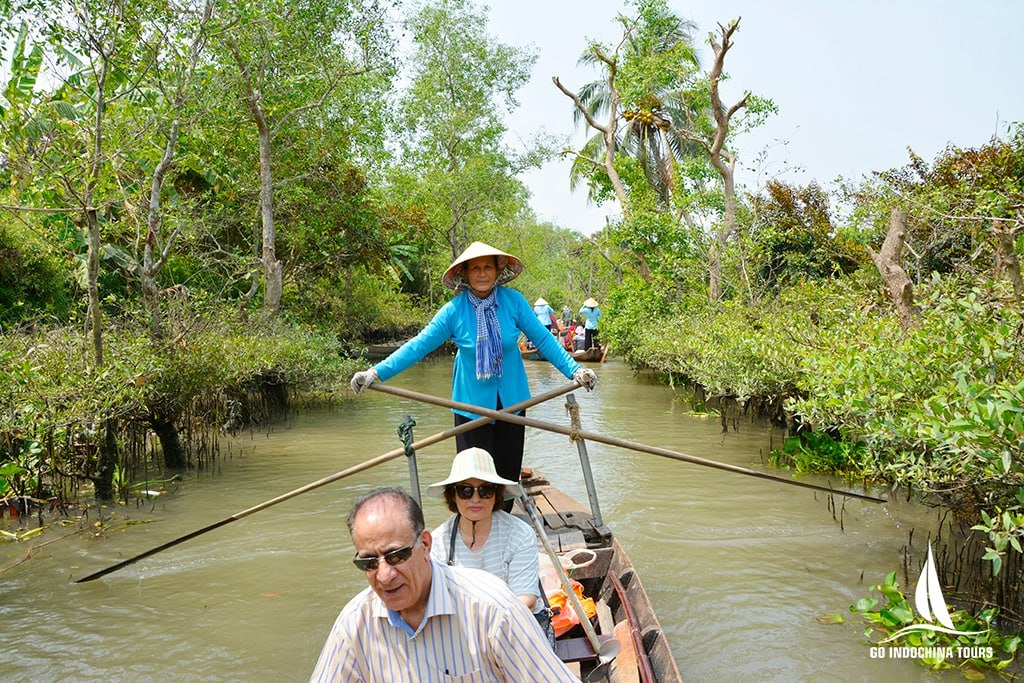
pixel 592 355
pixel 624 611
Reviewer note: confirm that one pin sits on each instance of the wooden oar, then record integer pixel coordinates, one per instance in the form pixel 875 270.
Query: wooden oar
pixel 606 651
pixel 612 441
pixel 390 455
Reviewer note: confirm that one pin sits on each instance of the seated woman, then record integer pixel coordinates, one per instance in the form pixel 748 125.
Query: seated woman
pixel 579 342
pixel 482 535
pixel 567 339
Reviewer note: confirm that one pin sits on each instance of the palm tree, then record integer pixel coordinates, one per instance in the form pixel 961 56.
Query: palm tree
pixel 642 87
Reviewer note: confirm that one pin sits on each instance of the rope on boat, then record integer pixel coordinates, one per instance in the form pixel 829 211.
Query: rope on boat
pixel 574 420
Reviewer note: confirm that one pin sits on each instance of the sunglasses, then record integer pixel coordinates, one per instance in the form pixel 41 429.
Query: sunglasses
pixel 393 558
pixel 485 491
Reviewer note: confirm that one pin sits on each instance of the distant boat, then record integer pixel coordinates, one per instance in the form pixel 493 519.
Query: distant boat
pixel 595 354
pixel 382 350
pixel 530 352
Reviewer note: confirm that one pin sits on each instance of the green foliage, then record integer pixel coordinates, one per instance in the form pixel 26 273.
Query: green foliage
pixel 353 304
pixel 33 279
pixel 19 474
pixel 1005 528
pixel 456 169
pixel 793 239
pixel 634 313
pixel 965 205
pixel 942 403
pixel 998 650
pixel 819 452
pixel 49 389
pixel 728 348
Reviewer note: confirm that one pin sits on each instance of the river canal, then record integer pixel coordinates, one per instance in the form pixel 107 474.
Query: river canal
pixel 742 571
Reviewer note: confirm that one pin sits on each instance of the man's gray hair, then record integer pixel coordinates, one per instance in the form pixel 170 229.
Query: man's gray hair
pixel 413 511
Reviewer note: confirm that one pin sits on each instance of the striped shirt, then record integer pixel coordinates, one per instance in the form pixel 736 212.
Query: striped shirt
pixel 510 552
pixel 474 629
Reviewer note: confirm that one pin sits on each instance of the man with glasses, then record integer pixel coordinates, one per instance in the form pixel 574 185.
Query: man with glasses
pixel 421 620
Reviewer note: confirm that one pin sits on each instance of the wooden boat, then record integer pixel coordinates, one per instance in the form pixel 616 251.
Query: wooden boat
pixel 623 609
pixel 595 354
pixel 530 352
pixel 382 350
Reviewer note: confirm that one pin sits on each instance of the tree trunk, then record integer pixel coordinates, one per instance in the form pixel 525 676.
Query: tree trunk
pixel 1007 262
pixel 103 481
pixel 268 255
pixel 723 161
pixel 175 457
pixel 271 266
pixel 95 314
pixel 901 289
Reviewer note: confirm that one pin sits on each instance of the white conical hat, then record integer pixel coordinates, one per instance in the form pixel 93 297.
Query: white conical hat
pixel 590 303
pixel 472 463
pixel 540 302
pixel 509 266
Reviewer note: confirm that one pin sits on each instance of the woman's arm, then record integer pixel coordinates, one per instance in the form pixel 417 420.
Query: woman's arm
pixel 437 332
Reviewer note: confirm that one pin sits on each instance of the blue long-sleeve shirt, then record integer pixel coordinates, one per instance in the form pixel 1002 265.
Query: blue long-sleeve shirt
pixel 456 321
pixel 593 315
pixel 544 313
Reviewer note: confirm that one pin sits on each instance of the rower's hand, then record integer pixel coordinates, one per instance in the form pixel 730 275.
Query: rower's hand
pixel 586 377
pixel 363 379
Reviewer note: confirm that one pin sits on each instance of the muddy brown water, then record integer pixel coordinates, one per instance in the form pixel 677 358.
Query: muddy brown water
pixel 741 571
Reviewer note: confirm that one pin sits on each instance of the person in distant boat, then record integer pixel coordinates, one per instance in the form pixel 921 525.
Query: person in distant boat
pixel 570 333
pixel 566 316
pixel 484 320
pixel 579 340
pixel 545 314
pixel 421 620
pixel 483 536
pixel 592 314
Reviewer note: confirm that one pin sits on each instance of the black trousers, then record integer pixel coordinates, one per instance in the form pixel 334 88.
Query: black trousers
pixel 503 440
pixel 590 337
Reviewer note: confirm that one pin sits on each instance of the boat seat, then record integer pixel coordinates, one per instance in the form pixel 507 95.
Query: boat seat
pixel 577 649
pixel 567 541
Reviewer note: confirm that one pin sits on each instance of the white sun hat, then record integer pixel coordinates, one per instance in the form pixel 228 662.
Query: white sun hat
pixel 509 267
pixel 472 463
pixel 590 303
pixel 540 302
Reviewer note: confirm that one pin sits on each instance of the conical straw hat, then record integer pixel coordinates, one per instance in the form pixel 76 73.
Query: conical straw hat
pixel 509 267
pixel 590 303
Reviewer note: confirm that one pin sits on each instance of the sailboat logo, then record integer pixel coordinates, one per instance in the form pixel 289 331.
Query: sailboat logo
pixel 931 605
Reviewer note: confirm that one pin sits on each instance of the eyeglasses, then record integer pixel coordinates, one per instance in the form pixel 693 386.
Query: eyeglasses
pixel 485 491
pixel 393 558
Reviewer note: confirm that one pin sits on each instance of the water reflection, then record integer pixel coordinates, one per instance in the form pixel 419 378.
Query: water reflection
pixel 739 569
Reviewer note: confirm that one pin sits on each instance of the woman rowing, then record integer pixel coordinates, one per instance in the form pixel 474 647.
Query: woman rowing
pixel 484 321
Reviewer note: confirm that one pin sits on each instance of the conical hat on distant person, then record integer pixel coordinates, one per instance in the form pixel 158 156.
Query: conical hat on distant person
pixel 509 267
pixel 590 303
pixel 540 302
